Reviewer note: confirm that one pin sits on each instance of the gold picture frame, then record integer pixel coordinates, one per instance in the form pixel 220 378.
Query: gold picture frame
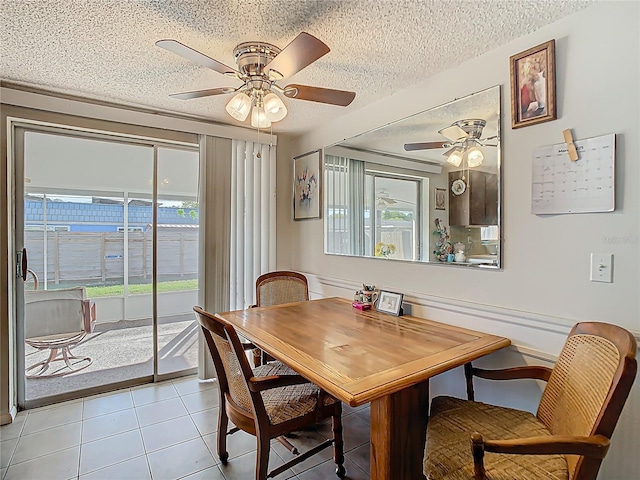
pixel 533 85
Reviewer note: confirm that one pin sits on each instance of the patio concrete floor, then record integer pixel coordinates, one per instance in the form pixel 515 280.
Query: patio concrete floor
pixel 120 351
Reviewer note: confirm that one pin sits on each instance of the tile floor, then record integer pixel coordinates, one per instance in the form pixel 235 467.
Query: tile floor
pixel 162 431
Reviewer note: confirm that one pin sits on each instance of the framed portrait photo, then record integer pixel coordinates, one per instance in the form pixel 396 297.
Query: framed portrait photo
pixel 440 198
pixel 390 302
pixel 307 185
pixel 533 85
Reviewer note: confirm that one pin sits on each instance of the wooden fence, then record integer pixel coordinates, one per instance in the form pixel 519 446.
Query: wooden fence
pixel 95 258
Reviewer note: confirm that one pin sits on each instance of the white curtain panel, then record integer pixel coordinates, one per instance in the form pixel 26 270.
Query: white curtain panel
pixel 253 218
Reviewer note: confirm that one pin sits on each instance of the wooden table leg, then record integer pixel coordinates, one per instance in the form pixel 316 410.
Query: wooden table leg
pixel 398 433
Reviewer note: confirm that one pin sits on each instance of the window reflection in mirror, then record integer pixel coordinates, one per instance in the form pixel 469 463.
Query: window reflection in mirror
pixel 380 187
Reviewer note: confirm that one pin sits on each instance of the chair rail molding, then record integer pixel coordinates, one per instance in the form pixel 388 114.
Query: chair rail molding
pixel 464 314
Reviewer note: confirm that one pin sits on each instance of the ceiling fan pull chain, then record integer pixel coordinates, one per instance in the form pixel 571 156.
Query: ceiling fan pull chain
pixel 259 155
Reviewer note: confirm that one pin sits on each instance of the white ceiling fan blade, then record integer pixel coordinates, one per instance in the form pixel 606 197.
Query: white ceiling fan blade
pixel 453 133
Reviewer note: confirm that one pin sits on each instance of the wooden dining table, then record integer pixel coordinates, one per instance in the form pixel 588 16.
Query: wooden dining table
pixel 371 357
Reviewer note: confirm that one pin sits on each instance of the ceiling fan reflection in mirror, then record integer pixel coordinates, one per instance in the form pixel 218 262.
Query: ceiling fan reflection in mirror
pixel 260 66
pixel 464 142
pixel 383 199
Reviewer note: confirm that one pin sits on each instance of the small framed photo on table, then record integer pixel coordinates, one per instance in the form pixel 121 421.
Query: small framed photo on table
pixel 390 302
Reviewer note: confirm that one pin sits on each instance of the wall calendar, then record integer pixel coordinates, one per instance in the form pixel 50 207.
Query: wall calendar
pixel 586 185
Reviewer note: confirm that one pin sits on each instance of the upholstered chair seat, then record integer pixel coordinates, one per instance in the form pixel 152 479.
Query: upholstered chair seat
pixel 448 447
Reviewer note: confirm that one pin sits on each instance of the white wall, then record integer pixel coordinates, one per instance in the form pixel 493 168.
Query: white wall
pixel 544 286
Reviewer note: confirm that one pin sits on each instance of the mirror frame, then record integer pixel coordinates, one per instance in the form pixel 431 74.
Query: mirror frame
pixel 427 222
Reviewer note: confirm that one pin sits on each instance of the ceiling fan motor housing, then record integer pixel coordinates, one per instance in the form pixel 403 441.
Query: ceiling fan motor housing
pixel 251 57
pixel 472 127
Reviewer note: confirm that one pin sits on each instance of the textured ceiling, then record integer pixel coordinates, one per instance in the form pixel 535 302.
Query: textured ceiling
pixel 104 49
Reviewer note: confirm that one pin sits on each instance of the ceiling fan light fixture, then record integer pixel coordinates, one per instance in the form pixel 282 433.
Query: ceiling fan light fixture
pixel 455 158
pixel 259 118
pixel 239 106
pixel 274 107
pixel 475 157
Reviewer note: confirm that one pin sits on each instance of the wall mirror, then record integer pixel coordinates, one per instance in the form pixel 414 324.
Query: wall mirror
pixel 424 189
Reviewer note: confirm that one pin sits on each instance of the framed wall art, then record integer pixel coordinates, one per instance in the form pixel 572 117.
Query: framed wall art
pixel 307 185
pixel 440 198
pixel 533 85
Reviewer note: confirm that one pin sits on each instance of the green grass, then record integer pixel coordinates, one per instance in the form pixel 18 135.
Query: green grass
pixel 118 290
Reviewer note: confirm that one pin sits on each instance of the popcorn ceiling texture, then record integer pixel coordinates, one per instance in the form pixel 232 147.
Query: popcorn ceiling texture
pixel 104 49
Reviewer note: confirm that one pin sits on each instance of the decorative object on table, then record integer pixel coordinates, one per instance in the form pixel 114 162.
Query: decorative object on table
pixel 384 249
pixel 369 294
pixel 559 185
pixel 443 245
pixel 390 302
pixel 533 85
pixel 458 252
pixel 361 306
pixel 440 198
pixel 307 185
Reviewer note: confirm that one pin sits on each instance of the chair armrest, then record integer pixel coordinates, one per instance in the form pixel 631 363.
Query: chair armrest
pixel 535 372
pixel 258 384
pixel 248 345
pixel 595 446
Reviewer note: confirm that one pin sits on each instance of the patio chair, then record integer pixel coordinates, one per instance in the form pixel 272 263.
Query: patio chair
pixel 276 288
pixel 267 402
pixel 567 438
pixel 56 320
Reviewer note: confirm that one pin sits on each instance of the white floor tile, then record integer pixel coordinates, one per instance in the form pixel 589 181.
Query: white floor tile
pixel 61 465
pixel 47 441
pixel 7 448
pixel 111 424
pixel 164 434
pixel 52 417
pixel 107 403
pixel 244 467
pixel 13 429
pixel 211 473
pixel 180 460
pixel 206 421
pixel 188 385
pixel 134 469
pixel 160 411
pixel 111 450
pixel 238 443
pixel 204 400
pixel 153 393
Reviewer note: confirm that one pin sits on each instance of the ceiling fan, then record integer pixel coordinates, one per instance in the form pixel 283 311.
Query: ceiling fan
pixel 260 66
pixel 383 199
pixel 463 142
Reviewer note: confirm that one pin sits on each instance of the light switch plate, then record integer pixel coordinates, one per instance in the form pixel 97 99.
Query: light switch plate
pixel 602 267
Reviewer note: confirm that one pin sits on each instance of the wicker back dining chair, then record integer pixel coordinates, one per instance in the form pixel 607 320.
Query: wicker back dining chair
pixel 268 402
pixel 276 288
pixel 567 438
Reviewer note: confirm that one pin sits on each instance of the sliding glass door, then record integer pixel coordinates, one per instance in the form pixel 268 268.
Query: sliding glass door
pixel 110 228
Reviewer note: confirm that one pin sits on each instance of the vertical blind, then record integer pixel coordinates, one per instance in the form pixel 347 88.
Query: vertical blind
pixel 253 218
pixel 344 207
